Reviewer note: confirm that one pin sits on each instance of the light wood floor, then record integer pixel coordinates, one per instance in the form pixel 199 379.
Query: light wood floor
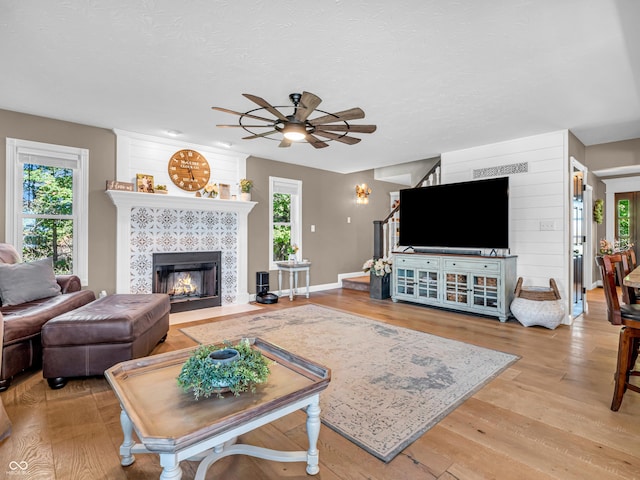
pixel 546 417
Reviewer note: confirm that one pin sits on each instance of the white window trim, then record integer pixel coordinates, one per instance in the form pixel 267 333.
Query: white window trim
pixel 13 206
pixel 296 214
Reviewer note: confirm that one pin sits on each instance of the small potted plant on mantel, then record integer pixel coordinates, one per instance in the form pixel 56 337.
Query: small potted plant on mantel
pixel 215 369
pixel 245 189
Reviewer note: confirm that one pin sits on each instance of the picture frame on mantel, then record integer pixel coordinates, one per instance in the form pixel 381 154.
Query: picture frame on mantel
pixel 144 183
pixel 225 191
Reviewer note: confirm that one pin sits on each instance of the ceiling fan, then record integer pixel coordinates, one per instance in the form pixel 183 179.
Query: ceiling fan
pixel 298 126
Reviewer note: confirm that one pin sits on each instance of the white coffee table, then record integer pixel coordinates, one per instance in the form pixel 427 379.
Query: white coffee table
pixel 172 424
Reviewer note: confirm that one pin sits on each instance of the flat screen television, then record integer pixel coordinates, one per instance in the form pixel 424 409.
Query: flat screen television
pixel 467 215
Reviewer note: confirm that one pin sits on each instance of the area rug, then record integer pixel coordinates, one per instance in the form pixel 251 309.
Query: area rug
pixel 389 384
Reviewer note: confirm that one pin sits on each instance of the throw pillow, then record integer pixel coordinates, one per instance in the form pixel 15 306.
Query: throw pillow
pixel 24 282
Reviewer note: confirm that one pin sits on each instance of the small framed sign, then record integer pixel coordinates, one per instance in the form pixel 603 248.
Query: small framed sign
pixel 116 185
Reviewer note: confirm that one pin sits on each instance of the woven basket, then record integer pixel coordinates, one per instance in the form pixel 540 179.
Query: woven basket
pixel 538 305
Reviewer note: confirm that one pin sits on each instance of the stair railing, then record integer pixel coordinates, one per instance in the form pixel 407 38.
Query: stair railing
pixel 385 235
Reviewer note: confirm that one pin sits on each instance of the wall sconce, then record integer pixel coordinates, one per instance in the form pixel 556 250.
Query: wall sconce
pixel 362 194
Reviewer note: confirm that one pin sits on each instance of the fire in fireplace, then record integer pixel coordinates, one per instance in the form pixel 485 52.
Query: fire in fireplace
pixel 191 279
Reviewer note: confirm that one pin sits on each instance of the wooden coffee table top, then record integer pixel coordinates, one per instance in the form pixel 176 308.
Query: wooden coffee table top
pixel 167 419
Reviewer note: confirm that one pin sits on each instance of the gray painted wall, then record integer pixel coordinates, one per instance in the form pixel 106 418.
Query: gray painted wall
pixel 327 200
pixel 101 144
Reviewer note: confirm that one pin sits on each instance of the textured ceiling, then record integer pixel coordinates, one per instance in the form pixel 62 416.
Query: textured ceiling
pixel 435 76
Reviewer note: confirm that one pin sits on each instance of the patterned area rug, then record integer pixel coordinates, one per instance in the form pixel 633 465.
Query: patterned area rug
pixel 389 384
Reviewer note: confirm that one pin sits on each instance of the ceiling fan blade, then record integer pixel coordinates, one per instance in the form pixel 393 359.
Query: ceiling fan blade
pixel 308 103
pixel 315 142
pixel 351 114
pixel 266 105
pixel 285 143
pixel 245 126
pixel 258 135
pixel 347 128
pixel 338 138
pixel 225 110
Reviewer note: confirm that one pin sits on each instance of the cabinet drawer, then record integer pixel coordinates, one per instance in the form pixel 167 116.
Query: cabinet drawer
pixel 423 263
pixel 475 267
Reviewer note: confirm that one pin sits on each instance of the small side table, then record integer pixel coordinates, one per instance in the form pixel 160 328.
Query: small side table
pixel 293 268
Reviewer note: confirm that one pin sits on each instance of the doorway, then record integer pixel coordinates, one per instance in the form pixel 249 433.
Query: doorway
pixel 578 241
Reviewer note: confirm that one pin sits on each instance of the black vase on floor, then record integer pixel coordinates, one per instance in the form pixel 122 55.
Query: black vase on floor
pixel 380 287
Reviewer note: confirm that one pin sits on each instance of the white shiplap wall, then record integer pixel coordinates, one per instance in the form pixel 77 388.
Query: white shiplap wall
pixel 539 195
pixel 137 153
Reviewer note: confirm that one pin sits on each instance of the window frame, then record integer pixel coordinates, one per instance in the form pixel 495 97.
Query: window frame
pixel 294 188
pixel 20 152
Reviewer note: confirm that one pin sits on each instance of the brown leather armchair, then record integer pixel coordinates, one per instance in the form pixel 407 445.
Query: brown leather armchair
pixel 23 323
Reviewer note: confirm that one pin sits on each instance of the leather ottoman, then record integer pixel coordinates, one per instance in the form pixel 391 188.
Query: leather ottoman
pixel 92 338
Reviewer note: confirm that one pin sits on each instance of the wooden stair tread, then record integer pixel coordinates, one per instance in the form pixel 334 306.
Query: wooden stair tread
pixel 356 283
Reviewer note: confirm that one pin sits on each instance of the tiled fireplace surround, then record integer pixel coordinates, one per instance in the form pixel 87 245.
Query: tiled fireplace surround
pixel 149 223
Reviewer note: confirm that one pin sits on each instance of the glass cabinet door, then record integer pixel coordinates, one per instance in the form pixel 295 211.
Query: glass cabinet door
pixel 405 281
pixel 485 291
pixel 428 284
pixel 456 288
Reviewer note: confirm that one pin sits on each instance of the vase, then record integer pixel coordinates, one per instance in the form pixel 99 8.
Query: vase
pixel 245 196
pixel 292 258
pixel 223 356
pixel 380 287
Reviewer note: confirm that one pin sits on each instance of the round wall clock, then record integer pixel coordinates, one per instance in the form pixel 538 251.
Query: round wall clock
pixel 189 170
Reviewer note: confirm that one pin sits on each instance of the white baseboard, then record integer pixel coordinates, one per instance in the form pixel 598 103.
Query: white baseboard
pixel 315 288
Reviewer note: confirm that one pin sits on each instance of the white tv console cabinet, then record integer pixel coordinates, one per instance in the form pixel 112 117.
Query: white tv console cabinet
pixel 471 283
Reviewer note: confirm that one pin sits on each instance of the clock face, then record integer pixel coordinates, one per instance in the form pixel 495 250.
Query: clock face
pixel 189 170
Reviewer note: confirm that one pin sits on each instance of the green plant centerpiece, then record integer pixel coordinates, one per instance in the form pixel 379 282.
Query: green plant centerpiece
pixel 205 375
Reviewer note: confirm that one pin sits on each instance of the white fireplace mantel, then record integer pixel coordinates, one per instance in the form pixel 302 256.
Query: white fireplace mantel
pixel 125 201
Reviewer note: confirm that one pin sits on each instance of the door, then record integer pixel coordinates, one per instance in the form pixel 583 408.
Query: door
pixel 578 240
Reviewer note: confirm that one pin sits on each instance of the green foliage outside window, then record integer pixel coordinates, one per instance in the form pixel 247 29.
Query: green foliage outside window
pixel 47 205
pixel 281 242
pixel 624 221
pixel 281 225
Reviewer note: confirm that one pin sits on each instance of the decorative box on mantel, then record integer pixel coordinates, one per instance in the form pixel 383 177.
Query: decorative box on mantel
pixel 185 226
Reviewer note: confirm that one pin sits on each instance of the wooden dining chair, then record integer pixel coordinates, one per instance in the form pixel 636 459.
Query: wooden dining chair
pixel 624 268
pixel 628 316
pixel 632 258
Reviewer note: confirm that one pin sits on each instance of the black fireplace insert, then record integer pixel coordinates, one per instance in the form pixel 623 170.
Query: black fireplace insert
pixel 191 279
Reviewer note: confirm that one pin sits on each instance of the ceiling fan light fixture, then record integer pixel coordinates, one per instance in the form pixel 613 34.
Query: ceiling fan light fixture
pixel 300 126
pixel 294 132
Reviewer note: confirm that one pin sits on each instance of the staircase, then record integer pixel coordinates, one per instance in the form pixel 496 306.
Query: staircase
pixel 357 283
pixel 386 233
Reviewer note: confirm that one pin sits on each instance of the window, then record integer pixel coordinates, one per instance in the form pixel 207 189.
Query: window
pixel 623 221
pixel 46 209
pixel 285 205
